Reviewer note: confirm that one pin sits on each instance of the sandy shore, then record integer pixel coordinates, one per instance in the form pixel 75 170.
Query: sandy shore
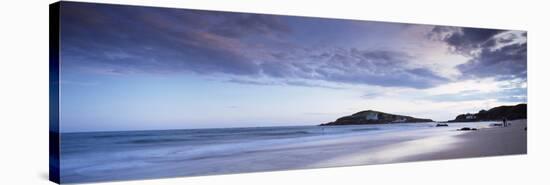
pixel 511 140
pixel 487 141
pixel 392 143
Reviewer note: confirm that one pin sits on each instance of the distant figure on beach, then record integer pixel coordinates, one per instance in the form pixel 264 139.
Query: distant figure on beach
pixel 504 122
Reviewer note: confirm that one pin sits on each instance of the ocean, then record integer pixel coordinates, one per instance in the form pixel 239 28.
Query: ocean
pixel 111 156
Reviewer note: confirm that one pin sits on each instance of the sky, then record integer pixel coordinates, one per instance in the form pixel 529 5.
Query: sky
pixel 145 68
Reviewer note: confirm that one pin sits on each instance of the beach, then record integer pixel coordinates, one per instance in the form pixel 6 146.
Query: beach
pixel 108 156
pixel 511 140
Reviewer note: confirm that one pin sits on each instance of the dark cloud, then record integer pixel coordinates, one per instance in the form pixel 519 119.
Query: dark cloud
pixel 381 68
pixel 505 40
pixel 151 40
pixel 353 66
pixel 500 57
pixel 117 39
pixel 465 40
pixel 508 62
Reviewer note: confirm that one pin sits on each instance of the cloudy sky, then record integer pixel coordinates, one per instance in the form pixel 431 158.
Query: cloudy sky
pixel 136 68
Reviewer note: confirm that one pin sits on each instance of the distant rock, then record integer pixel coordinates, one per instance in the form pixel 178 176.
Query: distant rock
pixel 442 125
pixel 518 111
pixel 467 129
pixel 374 117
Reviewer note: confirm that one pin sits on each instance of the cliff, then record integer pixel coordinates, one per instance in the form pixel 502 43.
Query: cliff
pixel 374 117
pixel 518 111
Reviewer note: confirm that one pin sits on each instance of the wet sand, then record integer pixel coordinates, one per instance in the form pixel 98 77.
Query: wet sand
pixel 495 141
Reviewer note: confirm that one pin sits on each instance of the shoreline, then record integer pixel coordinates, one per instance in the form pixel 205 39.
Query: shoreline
pixel 395 144
pixel 485 142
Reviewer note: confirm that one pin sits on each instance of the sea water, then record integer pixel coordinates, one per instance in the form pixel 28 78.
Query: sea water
pixel 107 156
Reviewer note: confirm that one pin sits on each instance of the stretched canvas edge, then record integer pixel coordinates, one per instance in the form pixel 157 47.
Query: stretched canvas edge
pixel 54 148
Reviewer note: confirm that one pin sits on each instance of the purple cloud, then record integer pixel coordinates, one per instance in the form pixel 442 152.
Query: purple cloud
pixel 129 39
pixel 509 61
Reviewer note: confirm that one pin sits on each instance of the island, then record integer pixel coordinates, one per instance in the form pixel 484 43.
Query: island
pixel 513 112
pixel 374 117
